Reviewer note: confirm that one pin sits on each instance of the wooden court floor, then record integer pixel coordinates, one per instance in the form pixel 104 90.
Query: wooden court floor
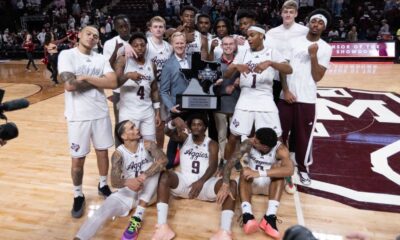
pixel 36 188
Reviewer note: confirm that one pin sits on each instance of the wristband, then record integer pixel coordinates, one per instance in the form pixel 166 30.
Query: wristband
pixel 169 125
pixel 262 173
pixel 156 105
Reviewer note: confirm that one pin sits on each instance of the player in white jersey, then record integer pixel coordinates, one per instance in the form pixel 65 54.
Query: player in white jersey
pixel 268 163
pixel 139 99
pixel 136 166
pixel 110 51
pixel 199 160
pixel 255 104
pixel 310 60
pixel 158 51
pixel 86 74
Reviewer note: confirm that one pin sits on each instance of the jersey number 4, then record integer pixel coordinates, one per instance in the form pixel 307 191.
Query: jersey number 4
pixel 140 92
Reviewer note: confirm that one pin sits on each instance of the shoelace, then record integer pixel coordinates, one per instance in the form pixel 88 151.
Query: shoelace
pixel 273 223
pixel 134 225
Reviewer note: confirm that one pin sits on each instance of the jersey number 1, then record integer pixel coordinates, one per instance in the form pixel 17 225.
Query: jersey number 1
pixel 140 92
pixel 254 81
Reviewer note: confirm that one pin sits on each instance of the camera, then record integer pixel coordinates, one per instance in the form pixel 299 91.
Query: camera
pixel 9 130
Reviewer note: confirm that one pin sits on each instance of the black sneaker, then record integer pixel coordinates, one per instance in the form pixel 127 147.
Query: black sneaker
pixel 246 217
pixel 268 224
pixel 78 207
pixel 104 191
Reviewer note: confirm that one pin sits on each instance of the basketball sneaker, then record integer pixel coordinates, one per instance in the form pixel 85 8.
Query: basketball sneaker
pixel 78 207
pixel 163 232
pixel 268 225
pixel 250 225
pixel 290 188
pixel 104 191
pixel 222 235
pixel 304 178
pixel 132 231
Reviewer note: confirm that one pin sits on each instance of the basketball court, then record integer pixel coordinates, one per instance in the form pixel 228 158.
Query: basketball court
pixel 356 170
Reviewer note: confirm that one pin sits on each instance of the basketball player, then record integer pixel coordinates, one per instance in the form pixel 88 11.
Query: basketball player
pixel 199 160
pixel 136 165
pixel 222 28
pixel 111 49
pixel 289 29
pixel 255 104
pixel 139 99
pixel 310 59
pixel 86 74
pixel 246 18
pixel 158 51
pixel 195 41
pixel 268 164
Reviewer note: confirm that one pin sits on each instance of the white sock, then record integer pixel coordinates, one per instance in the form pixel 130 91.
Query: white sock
pixel 162 213
pixel 272 207
pixel 78 191
pixel 246 207
pixel 103 181
pixel 139 212
pixel 226 220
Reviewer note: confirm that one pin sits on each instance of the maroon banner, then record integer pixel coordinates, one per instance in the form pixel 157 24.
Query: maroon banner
pixel 363 50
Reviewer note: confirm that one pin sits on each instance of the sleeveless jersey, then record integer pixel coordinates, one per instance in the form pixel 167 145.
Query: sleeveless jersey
pixel 135 95
pixel 194 158
pixel 135 163
pixel 194 46
pixel 158 54
pixel 258 161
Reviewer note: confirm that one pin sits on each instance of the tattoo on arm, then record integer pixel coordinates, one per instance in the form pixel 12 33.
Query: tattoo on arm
pixel 160 160
pixel 116 170
pixel 119 67
pixel 237 155
pixel 70 78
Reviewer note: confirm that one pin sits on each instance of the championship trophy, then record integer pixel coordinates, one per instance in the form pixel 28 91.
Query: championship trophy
pixel 199 95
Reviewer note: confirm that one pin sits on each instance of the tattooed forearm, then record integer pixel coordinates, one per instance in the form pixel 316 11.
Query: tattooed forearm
pixel 227 171
pixel 155 95
pixel 245 147
pixel 160 160
pixel 119 67
pixel 116 170
pixel 77 175
pixel 70 79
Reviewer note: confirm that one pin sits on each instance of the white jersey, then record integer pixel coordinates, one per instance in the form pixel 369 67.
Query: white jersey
pixel 262 162
pixel 158 54
pixel 135 99
pixel 256 88
pixel 301 82
pixel 135 163
pixel 278 35
pixel 90 104
pixel 194 46
pixel 109 47
pixel 194 158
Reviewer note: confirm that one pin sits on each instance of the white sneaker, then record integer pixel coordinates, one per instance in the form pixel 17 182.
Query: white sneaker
pixel 304 178
pixel 290 188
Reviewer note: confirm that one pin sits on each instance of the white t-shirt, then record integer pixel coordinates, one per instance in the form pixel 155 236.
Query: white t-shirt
pixel 262 162
pixel 158 54
pixel 256 88
pixel 194 158
pixel 301 82
pixel 109 47
pixel 277 38
pixel 135 163
pixel 90 104
pixel 135 99
pixel 218 49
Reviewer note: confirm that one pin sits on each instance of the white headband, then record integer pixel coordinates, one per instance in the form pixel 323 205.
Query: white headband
pixel 257 29
pixel 321 17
